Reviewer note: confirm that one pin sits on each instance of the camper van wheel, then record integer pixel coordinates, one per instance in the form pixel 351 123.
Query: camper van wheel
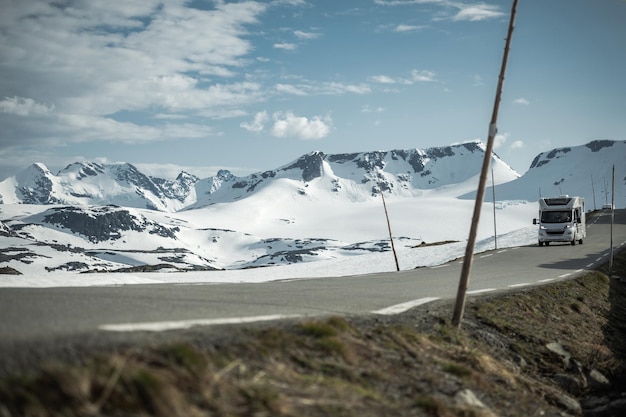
pixel 540 243
pixel 573 242
pixel 580 241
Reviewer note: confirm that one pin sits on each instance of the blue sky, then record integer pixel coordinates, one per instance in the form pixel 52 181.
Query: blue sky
pixel 252 85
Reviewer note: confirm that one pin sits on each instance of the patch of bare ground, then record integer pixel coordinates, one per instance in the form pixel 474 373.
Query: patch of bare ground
pixel 554 350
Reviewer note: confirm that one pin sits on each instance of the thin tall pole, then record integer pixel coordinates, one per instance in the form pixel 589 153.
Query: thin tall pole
pixel 393 248
pixel 459 306
pixel 495 231
pixel 593 191
pixel 612 220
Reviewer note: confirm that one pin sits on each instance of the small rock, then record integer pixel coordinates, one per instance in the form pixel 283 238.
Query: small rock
pixel 557 347
pixel 597 379
pixel 467 398
pixel 570 404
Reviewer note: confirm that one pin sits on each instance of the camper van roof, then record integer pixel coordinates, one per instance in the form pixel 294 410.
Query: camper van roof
pixel 557 201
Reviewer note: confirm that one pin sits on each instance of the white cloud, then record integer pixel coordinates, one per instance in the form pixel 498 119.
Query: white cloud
pixel 170 116
pixel 416 76
pixel 466 12
pixel 291 89
pixel 499 140
pixel 407 28
pixel 478 12
pixel 423 76
pixel 522 101
pixel 258 124
pixel 408 2
pixel 289 125
pixel 85 127
pixel 383 79
pixel 477 81
pixel 21 106
pixel 327 88
pixel 341 88
pixel 306 35
pixel 96 60
pixel 289 2
pixel 286 46
pixel 368 109
pixel 518 144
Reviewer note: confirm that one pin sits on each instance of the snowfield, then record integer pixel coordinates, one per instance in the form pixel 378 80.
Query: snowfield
pixel 408 258
pixel 318 216
pixel 513 225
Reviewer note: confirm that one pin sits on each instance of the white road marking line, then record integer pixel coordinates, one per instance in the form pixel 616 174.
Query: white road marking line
pixel 502 251
pixel 564 275
pixel 486 256
pixel 439 266
pixel 578 270
pixel 482 291
pixel 546 280
pixel 590 265
pixel 523 284
pixel 160 326
pixel 400 308
pixel 599 259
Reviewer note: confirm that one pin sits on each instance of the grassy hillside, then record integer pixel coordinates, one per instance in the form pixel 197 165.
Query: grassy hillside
pixel 552 350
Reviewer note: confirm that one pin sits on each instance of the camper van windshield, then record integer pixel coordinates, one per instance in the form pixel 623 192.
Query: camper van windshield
pixel 556 216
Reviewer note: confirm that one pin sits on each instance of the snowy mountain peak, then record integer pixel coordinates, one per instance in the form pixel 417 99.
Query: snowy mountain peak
pixel 594 146
pixel 224 174
pixel 310 165
pixel 34 185
pixel 80 170
pixel 584 170
pixel 186 177
pixel 33 172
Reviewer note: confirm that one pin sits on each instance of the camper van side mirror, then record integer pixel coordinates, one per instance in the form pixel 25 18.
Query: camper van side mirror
pixel 534 221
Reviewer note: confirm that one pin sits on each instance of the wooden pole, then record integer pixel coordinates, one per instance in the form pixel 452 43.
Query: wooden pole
pixel 495 230
pixel 459 307
pixel 593 191
pixel 393 248
pixel 612 222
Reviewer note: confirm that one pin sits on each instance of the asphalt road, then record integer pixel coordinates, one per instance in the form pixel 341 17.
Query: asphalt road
pixel 33 316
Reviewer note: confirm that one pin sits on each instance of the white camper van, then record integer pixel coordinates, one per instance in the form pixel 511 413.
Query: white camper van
pixel 561 219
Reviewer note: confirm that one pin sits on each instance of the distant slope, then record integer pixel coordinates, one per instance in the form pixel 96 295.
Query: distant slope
pixel 355 176
pixel 89 183
pixel 360 176
pixel 581 170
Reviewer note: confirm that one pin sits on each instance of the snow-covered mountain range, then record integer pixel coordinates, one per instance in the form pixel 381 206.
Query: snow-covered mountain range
pixel 95 217
pixel 402 172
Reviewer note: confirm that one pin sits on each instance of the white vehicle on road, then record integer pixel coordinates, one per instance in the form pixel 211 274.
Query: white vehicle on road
pixel 561 219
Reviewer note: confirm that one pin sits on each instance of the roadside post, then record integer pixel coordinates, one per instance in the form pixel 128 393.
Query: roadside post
pixel 612 222
pixel 459 306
